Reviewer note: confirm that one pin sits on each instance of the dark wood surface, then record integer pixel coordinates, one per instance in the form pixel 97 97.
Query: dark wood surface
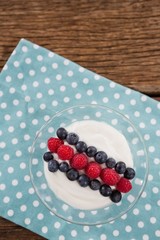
pixel 119 39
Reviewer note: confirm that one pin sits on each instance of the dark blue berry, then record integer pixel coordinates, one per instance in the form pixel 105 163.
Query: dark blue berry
pixel 72 138
pixel 100 157
pixel 83 180
pixel 105 190
pixel 81 146
pixel 116 196
pixel 111 162
pixel 95 184
pixel 91 151
pixel 120 167
pixel 63 166
pixel 61 133
pixel 48 156
pixel 53 166
pixel 129 173
pixel 72 174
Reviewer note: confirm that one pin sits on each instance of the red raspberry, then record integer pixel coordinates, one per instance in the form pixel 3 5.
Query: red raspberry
pixel 124 185
pixel 109 176
pixel 65 152
pixel 54 144
pixel 93 170
pixel 79 161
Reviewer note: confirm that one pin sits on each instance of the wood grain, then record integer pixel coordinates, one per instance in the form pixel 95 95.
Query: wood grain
pixel 119 39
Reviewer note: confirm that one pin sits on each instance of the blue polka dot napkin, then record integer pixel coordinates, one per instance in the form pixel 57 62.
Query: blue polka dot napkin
pixel 34 84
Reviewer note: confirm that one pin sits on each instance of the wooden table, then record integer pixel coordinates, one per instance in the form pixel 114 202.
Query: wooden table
pixel 119 39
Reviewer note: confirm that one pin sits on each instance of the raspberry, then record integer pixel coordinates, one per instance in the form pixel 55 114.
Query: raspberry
pixel 65 152
pixel 124 185
pixel 93 170
pixel 54 144
pixel 109 176
pixel 79 161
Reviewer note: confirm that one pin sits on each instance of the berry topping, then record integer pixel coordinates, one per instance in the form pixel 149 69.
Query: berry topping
pixel 83 180
pixel 105 190
pixel 93 170
pixel 129 173
pixel 100 157
pixel 95 184
pixel 72 174
pixel 63 166
pixel 124 185
pixel 91 151
pixel 79 161
pixel 109 176
pixel 62 133
pixel 111 162
pixel 48 156
pixel 65 152
pixel 81 147
pixel 54 144
pixel 53 166
pixel 116 196
pixel 72 138
pixel 120 167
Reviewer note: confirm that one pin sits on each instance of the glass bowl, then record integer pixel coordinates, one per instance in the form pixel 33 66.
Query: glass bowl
pixel 140 164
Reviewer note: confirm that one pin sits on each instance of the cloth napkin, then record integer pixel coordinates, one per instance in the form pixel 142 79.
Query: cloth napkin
pixel 34 84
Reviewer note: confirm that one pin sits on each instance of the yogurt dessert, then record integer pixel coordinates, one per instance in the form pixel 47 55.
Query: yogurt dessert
pixel 85 194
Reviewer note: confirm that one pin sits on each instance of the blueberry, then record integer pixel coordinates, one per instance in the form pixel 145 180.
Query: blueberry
pixel 100 157
pixel 72 174
pixel 83 180
pixel 95 184
pixel 62 133
pixel 48 156
pixel 53 166
pixel 91 151
pixel 120 167
pixel 105 190
pixel 111 162
pixel 72 138
pixel 116 196
pixel 63 166
pixel 129 173
pixel 81 146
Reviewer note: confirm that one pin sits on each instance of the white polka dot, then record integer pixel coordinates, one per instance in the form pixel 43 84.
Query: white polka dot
pixel 133 102
pixel 66 62
pixel 35 46
pixel 85 80
pixel 70 73
pixel 147 137
pixel 136 211
pixel 116 233
pixel 20 76
pixel 136 114
pixel 11 129
pixel 19 113
pixel 24 49
pixel 61 237
pixel 142 125
pixel 47 80
pixel 128 228
pixel 103 237
pixel 140 224
pixel 158 105
pixel 86 228
pixel 2 186
pixel 23 208
pixel 116 95
pixel 35 203
pixel 18 153
pixel 27 221
pixel 144 98
pixel 3 105
pixel 121 106
pixel 148 207
pixel 6 199
pixel 155 190
pixel 62 88
pixel 66 99
pixel 6 157
pixel 50 129
pixel 8 79
pixel 2 144
pixel 54 103
pixel 10 170
pixel 46 117
pixel 96 77
pixel 7 117
pixel 153 220
pixel 50 54
pixel 19 195
pixel 65 207
pixel 50 91
pixel 54 65
pixel 39 57
pixel 15 182
pixel 5 67
pixel 34 121
pixel 31 110
pixel 145 237
pixel 150 177
pixel 57 225
pixel 144 194
pixel 32 72
pixel 89 92
pixel 157 233
pixel 151 149
pixel 43 69
pixel 39 174
pixel 74 84
pixel 112 84
pixel 26 178
pixel 35 84
pixel 43 186
pixel 124 216
pixel 10 212
pixel 27 99
pixel 158 133
pixel 16 64
pixel 153 121
pixel 15 102
pixel 81 215
pixel 31 190
pixel 156 161
pixel 58 77
pixel 78 96
pixel 42 106
pixel 73 233
pixel 101 88
pixel 105 100
pixel 44 229
pixel 1 93
pixel 148 110
pixel 98 114
pixel 28 60
pixel 23 165
pixel 40 216
pixel 39 95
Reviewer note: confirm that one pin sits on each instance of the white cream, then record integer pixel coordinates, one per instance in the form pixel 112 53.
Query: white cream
pixel 104 137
